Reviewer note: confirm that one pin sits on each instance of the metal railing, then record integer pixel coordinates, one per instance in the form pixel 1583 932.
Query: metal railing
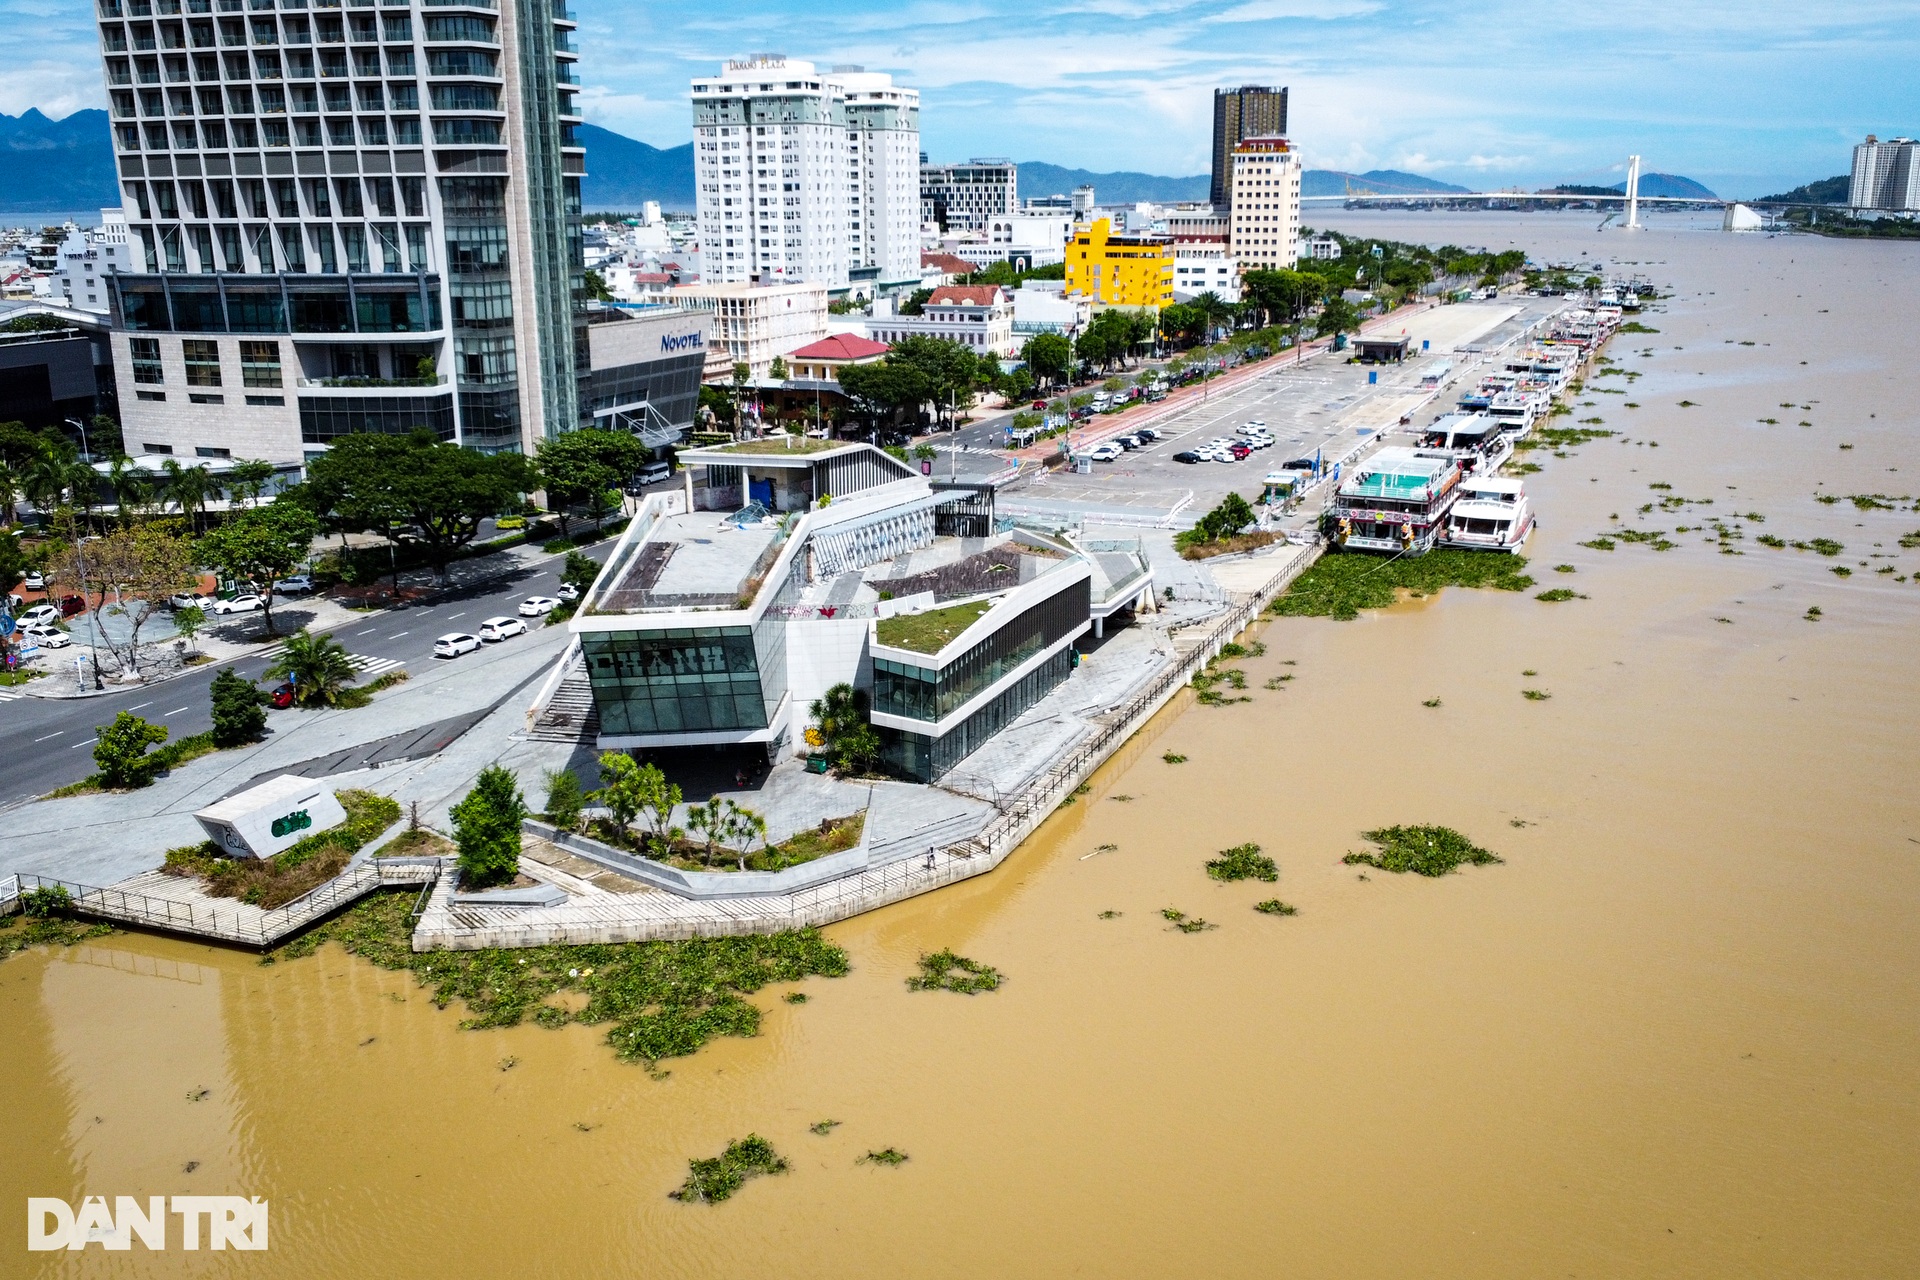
pixel 240 923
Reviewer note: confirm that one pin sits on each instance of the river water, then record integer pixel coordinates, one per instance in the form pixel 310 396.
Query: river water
pixel 1675 1034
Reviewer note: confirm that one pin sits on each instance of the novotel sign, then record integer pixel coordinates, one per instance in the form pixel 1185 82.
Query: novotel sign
pixel 683 341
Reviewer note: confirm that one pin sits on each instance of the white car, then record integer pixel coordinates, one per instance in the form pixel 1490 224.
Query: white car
pixel 248 603
pixel 40 614
pixel 501 628
pixel 36 581
pixel 538 606
pixel 1105 452
pixel 46 637
pixel 297 585
pixel 452 646
pixel 191 600
pixel 1257 422
pixel 568 591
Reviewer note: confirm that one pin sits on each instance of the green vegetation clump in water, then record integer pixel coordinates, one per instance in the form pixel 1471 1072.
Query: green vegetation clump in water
pixel 824 1127
pixel 1425 851
pixel 1548 437
pixel 1769 540
pixel 1243 862
pixel 1634 326
pixel 1340 584
pixel 662 999
pixel 947 971
pixel 1184 923
pixel 1535 695
pixel 711 1181
pixel 1559 594
pixel 1275 907
pixel 1825 546
pixel 1600 544
pixel 892 1157
pixel 1174 758
pixel 44 923
pixel 1431 702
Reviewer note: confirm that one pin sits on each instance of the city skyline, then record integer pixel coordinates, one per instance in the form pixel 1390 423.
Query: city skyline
pixel 1498 99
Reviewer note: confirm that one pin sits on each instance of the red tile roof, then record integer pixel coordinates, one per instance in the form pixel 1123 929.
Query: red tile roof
pixel 965 295
pixel 947 263
pixel 841 346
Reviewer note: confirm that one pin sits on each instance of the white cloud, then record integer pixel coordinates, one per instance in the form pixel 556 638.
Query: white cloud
pixel 1273 10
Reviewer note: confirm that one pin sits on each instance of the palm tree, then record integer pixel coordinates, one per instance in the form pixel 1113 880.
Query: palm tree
pixel 190 487
pixel 83 483
pixel 44 480
pixel 318 666
pixel 248 478
pixel 131 488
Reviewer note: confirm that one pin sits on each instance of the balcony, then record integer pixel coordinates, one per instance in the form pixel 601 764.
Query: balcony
pixel 371 384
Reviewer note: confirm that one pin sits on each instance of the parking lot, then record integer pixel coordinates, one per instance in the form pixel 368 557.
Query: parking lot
pixel 1321 405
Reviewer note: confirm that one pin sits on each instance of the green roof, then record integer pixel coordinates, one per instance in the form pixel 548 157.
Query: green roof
pixel 932 631
pixel 777 446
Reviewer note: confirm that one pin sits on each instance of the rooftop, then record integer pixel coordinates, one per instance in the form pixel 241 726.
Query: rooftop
pixel 774 448
pixel 701 560
pixel 933 630
pixel 966 295
pixel 841 346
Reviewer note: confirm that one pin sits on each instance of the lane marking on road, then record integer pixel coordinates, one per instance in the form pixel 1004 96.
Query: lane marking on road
pixel 176 711
pixel 369 631
pixel 456 616
pixel 56 733
pixel 396 635
pixel 76 746
pixel 143 704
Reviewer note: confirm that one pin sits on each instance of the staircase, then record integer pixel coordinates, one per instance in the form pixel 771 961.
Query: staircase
pixel 569 715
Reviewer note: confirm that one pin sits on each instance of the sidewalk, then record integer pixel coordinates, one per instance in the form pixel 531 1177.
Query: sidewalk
pixel 101 839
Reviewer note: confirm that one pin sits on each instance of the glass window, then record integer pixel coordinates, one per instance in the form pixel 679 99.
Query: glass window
pixel 260 364
pixel 688 681
pixel 203 361
pixel 146 360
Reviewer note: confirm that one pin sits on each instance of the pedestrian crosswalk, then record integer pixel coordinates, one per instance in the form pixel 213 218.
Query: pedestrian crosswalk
pixel 9 695
pixel 370 666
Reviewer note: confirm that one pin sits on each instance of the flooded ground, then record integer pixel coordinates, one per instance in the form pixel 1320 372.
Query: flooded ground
pixel 1675 1034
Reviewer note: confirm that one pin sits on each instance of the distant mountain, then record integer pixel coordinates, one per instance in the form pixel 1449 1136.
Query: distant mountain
pixel 1670 185
pixel 1378 182
pixel 623 172
pixel 56 165
pixel 1040 179
pixel 1826 191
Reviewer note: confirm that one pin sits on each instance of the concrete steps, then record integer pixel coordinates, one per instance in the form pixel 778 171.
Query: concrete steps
pixel 569 715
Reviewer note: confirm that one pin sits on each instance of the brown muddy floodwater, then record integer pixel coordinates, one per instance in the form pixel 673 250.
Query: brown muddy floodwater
pixel 1677 1033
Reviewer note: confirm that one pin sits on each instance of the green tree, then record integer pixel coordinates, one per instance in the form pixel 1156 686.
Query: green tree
pixel 778 369
pixel 629 790
pixel 103 437
pixel 248 480
pixel 133 570
pixel 948 368
pixel 1337 317
pixel 486 828
pixel 239 710
pixel 259 545
pixel 121 751
pixel 1047 354
pixel 318 666
pixel 840 717
pixel 1224 521
pixel 187 622
pixel 882 390
pixel 578 468
pixel 190 488
pixel 580 571
pixel 742 828
pixel 710 820
pixel 10 492
pixel 13 562
pixel 596 285
pixel 565 798
pixel 915 302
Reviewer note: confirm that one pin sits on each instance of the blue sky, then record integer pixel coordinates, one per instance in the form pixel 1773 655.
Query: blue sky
pixel 1747 97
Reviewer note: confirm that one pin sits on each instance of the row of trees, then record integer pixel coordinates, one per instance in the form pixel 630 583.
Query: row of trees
pixel 634 793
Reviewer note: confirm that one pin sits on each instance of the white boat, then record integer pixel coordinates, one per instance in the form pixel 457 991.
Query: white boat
pixel 1491 514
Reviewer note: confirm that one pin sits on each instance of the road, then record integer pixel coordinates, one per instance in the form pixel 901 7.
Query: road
pixel 49 740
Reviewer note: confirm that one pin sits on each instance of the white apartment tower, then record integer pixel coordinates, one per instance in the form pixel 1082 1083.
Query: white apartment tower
pixel 1886 175
pixel 807 177
pixel 1263 227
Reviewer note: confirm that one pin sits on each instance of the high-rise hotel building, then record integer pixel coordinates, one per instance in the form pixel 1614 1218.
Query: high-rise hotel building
pixel 807 176
pixel 346 216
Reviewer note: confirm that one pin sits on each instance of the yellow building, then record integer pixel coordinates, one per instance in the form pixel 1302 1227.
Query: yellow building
pixel 1120 270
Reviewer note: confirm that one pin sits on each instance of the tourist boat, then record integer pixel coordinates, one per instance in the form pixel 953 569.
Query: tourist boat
pixel 1491 514
pixel 1397 500
pixel 1480 441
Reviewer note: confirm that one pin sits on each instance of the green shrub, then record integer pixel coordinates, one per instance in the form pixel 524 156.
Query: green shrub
pixel 48 900
pixel 565 798
pixel 121 752
pixel 239 713
pixel 486 827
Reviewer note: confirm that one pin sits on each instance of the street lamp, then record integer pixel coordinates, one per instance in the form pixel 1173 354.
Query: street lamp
pixel 86 454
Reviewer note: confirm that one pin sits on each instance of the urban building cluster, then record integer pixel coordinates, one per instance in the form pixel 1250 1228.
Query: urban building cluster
pixel 1886 175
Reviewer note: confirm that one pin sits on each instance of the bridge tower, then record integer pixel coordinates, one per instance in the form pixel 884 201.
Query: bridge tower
pixel 1633 193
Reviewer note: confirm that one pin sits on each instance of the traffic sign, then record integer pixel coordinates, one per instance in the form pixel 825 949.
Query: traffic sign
pixel 7 624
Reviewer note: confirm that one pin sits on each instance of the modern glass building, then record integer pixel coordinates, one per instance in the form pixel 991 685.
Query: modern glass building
pixel 346 216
